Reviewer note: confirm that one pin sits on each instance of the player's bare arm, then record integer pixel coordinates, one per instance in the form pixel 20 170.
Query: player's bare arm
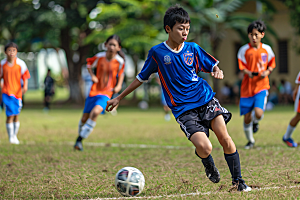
pixel 266 72
pixel 248 72
pixel 94 78
pixel 25 86
pixel 295 92
pixel 114 102
pixel 217 73
pixel 119 85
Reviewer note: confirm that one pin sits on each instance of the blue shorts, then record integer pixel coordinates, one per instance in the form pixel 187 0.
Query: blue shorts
pixel 163 100
pixel 91 102
pixel 12 105
pixel 257 101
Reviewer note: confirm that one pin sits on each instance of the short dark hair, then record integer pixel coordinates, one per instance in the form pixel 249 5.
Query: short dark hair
pixel 175 14
pixel 10 44
pixel 258 25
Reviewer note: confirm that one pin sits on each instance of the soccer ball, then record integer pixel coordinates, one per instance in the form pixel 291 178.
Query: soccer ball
pixel 129 181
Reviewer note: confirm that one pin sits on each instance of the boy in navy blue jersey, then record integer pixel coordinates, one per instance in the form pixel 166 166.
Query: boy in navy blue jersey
pixel 190 97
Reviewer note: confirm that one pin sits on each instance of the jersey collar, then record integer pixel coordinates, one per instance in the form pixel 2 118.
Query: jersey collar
pixel 165 43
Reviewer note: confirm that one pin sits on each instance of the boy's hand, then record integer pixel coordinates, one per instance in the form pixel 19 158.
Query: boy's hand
pixel 95 79
pixel 265 73
pixel 24 90
pixel 217 73
pixel 111 104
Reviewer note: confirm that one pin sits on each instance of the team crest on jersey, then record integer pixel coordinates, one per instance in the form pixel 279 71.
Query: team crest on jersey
pixel 167 60
pixel 188 58
pixel 264 57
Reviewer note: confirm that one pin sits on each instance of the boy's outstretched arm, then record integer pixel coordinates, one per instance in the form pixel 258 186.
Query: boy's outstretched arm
pixel 217 73
pixel 114 102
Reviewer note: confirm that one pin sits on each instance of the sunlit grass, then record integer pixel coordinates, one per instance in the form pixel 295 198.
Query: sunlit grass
pixel 49 168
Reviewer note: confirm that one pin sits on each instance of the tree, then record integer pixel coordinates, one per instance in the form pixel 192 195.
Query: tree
pixel 294 7
pixel 44 23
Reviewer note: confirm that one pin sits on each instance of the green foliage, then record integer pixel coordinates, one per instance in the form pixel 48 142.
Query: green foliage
pixel 294 8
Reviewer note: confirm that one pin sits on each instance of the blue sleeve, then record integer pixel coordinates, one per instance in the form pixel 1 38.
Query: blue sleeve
pixel 205 61
pixel 150 67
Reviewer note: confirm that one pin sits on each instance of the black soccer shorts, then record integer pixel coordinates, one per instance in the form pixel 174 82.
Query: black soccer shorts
pixel 199 119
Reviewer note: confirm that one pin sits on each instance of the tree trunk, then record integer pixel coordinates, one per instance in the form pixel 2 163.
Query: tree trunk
pixel 76 94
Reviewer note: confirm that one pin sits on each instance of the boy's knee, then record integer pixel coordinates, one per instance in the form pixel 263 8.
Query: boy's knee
pixel 204 150
pixel 226 141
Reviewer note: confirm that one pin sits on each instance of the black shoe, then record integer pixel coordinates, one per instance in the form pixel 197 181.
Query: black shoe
pixel 212 172
pixel 241 185
pixel 78 146
pixel 255 127
pixel 249 145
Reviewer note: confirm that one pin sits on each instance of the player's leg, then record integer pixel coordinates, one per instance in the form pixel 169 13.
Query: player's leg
pixel 287 138
pixel 13 107
pixel 10 128
pixel 198 134
pixel 98 103
pixel 246 107
pixel 248 130
pixel 16 127
pixel 259 108
pixel 230 152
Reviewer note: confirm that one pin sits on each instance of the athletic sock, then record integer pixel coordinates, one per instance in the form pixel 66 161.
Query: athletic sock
pixel 87 128
pixel 10 130
pixel 79 139
pixel 233 162
pixel 289 131
pixel 207 160
pixel 248 129
pixel 80 125
pixel 16 127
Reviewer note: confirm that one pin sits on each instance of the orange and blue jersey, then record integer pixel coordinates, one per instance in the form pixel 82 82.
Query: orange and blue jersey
pixel 249 58
pixel 107 73
pixel 12 73
pixel 177 70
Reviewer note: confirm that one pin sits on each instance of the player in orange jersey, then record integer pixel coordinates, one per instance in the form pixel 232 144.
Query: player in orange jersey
pixel 107 80
pixel 287 138
pixel 257 61
pixel 12 70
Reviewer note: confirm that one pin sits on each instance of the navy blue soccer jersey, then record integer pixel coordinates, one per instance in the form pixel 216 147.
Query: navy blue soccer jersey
pixel 177 70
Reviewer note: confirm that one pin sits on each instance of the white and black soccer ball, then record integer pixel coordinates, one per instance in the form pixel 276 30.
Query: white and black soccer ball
pixel 129 181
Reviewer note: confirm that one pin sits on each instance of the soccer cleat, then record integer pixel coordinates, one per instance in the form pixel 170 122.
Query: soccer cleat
pixel 241 185
pixel 212 172
pixel 78 146
pixel 255 127
pixel 290 142
pixel 249 145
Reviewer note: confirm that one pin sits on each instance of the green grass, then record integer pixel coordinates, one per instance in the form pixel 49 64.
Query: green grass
pixel 61 94
pixel 45 166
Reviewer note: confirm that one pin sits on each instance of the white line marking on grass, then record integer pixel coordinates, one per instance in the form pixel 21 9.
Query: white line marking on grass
pixel 141 146
pixel 96 144
pixel 191 194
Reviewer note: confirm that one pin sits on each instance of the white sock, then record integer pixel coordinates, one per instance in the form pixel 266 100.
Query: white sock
pixel 289 131
pixel 80 125
pixel 16 128
pixel 87 128
pixel 10 130
pixel 255 119
pixel 248 129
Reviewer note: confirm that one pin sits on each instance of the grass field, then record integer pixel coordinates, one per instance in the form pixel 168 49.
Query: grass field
pixel 44 165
